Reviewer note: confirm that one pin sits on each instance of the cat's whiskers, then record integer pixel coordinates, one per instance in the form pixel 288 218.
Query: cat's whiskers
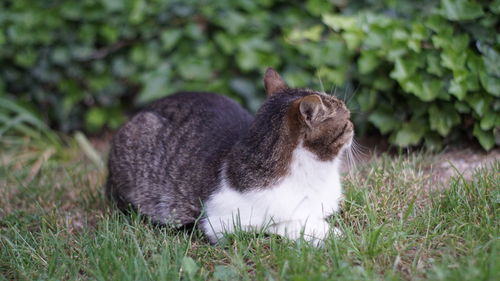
pixel 359 151
pixel 353 94
pixel 321 84
pixel 355 153
pixel 332 89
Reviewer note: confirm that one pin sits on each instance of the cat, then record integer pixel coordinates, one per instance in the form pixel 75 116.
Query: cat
pixel 201 155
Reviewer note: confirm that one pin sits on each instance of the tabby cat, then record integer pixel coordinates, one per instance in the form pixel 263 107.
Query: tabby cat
pixel 195 156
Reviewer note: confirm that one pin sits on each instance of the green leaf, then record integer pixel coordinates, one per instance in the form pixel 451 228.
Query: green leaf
pixel 113 5
pixel 461 107
pixel 376 39
pixel 404 68
pixel 313 33
pixel 316 7
pixel 427 90
pixel 432 88
pixel 438 24
pixel 457 10
pixel 443 119
pixel 95 119
pixel 433 64
pixel 366 99
pixel 409 134
pixel 226 42
pixel 384 121
pixel 368 62
pixel 233 21
pixel 110 33
pixel 335 75
pixel 247 60
pixel 433 142
pixel 26 58
pixel 491 84
pixel 479 102
pixel 458 89
pixel 383 83
pixel 485 138
pixel 339 23
pixel 454 60
pixel 418 31
pixel 353 39
pixel 491 59
pixel 155 84
pixel 169 38
pixel 489 120
pixel 195 69
pixel 495 7
pixel 137 11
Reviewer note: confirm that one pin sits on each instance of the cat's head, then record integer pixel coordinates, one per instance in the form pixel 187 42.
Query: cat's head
pixel 318 121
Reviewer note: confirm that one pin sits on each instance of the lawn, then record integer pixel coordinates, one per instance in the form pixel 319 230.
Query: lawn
pixel 399 223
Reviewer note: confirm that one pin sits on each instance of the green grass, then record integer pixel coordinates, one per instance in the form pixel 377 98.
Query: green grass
pixel 397 222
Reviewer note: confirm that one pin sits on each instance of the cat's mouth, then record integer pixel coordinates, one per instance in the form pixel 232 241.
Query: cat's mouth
pixel 345 134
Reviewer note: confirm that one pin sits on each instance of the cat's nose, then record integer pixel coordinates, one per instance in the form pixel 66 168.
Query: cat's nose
pixel 343 113
pixel 349 126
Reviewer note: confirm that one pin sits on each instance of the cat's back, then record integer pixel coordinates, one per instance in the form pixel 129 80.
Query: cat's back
pixel 173 150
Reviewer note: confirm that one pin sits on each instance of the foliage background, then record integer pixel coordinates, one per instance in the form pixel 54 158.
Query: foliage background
pixel 417 71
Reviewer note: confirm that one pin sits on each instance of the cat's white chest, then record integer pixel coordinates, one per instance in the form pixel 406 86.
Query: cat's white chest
pixel 298 203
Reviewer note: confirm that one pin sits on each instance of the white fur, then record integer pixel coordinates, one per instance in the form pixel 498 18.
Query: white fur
pixel 297 205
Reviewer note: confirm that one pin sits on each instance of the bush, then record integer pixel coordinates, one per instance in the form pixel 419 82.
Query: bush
pixel 421 71
pixel 431 78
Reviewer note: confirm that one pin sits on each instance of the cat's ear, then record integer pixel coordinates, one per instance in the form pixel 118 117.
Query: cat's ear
pixel 311 109
pixel 273 83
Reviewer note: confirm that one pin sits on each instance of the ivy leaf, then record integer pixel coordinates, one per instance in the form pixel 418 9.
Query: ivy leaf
pixel 457 10
pixel 433 64
pixel 384 121
pixel 353 39
pixel 495 7
pixel 195 69
pixel 427 90
pixel 169 38
pixel 316 7
pixel 137 12
pixel 338 23
pixel 95 119
pixel 491 59
pixel 462 107
pixel 433 142
pixel 313 33
pixel 367 99
pixel 404 68
pixel 485 138
pixel 376 39
pixel 489 120
pixel 410 134
pixel 491 84
pixel 335 75
pixel 452 59
pixel 443 119
pixel 155 84
pixel 438 24
pixel 368 62
pixel 479 102
pixel 458 89
pixel 431 89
